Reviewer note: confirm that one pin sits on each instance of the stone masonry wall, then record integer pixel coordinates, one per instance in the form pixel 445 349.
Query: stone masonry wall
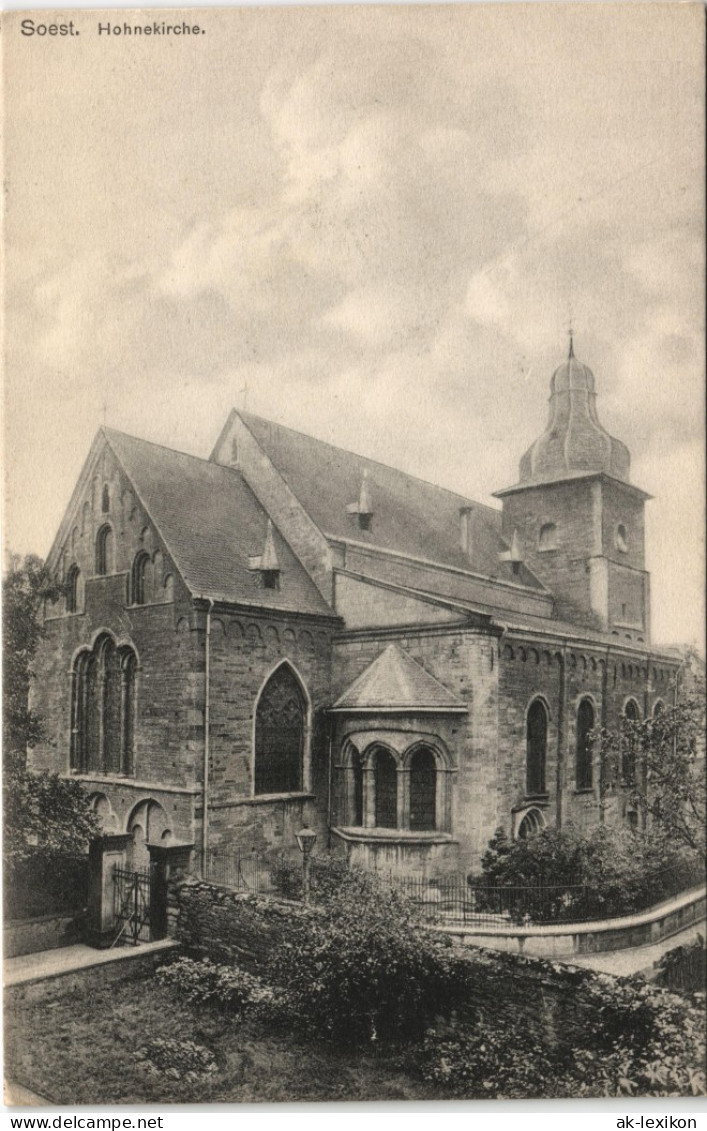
pixel 245 651
pixel 557 1002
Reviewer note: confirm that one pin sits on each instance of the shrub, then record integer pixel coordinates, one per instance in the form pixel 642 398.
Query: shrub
pixel 683 968
pixel 636 1040
pixel 177 1060
pixel 568 874
pixel 231 989
pixel 329 878
pixel 496 1059
pixel 362 970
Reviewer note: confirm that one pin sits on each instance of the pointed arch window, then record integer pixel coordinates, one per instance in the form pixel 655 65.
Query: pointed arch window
pixel 103 709
pixel 105 499
pixel 139 578
pixel 357 790
pixel 585 725
pixel 73 579
pixel 628 753
pixel 280 726
pixel 536 748
pixel 386 787
pixel 423 791
pixel 104 550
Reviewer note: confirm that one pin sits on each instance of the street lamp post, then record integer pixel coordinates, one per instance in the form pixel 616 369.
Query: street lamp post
pixel 305 841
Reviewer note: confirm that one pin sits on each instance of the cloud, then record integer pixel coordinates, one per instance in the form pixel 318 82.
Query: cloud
pixel 381 221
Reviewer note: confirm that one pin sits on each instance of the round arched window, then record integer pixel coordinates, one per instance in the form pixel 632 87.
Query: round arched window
pixel 621 538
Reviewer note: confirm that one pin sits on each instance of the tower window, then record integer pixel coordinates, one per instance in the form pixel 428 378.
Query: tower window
pixel 548 537
pixel 621 538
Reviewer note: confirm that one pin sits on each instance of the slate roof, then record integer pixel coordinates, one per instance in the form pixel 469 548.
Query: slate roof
pixel 410 516
pixel 394 681
pixel 212 523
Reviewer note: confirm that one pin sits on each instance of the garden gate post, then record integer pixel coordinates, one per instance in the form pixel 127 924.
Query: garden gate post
pixel 165 860
pixel 103 855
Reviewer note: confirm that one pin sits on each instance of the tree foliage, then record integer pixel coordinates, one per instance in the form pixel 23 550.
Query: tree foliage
pixel 659 765
pixel 45 816
pixel 606 872
pixel 26 583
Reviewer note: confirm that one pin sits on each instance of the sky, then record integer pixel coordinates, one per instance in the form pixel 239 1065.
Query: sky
pixel 372 224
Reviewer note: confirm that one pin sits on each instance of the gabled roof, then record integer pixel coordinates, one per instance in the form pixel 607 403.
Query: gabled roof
pixel 212 523
pixel 410 516
pixel 396 682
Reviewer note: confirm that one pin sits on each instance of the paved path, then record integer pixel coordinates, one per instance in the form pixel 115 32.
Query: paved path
pixel 636 960
pixel 67 959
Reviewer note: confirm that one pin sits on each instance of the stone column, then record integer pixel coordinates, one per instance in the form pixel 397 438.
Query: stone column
pixel 165 860
pixel 104 854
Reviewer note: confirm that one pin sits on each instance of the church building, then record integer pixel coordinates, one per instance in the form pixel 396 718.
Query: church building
pixel 287 633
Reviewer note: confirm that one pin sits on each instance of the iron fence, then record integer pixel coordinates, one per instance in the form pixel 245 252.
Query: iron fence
pixel 453 900
pixel 240 871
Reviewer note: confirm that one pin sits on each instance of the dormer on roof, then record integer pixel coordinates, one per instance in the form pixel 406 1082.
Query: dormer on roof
pixel 514 555
pixel 266 565
pixel 363 509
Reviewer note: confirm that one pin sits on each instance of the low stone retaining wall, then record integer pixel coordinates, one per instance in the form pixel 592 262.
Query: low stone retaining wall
pixel 555 1001
pixel 567 939
pixel 229 926
pixel 46 932
pixel 125 965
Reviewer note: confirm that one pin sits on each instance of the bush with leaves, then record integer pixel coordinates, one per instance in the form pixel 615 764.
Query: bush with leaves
pixel 659 764
pixel 48 826
pixel 647 1042
pixel 362 970
pixel 606 872
pixel 494 1058
pixel 684 968
pixel 177 1060
pixel 635 1040
pixel 328 877
pixel 229 988
pixel 24 585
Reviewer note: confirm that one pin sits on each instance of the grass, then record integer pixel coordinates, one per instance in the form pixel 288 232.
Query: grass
pixel 80 1049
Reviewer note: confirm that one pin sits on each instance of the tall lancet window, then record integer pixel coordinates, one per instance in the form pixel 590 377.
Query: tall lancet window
pixel 536 748
pixel 280 722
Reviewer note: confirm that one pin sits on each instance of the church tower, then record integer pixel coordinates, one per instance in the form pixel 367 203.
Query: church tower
pixel 575 518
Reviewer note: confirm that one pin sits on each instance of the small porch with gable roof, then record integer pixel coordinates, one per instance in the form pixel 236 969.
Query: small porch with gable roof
pixel 394 768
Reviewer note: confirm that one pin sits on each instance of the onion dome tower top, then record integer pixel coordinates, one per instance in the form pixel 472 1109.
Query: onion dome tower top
pixel 574 442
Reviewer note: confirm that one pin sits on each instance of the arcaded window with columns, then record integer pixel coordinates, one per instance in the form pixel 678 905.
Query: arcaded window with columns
pixel 103 709
pixel 386 789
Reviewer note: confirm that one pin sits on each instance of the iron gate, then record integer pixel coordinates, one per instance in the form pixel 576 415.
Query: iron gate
pixel 132 890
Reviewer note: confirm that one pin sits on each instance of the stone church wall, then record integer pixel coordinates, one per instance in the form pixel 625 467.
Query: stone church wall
pixel 245 650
